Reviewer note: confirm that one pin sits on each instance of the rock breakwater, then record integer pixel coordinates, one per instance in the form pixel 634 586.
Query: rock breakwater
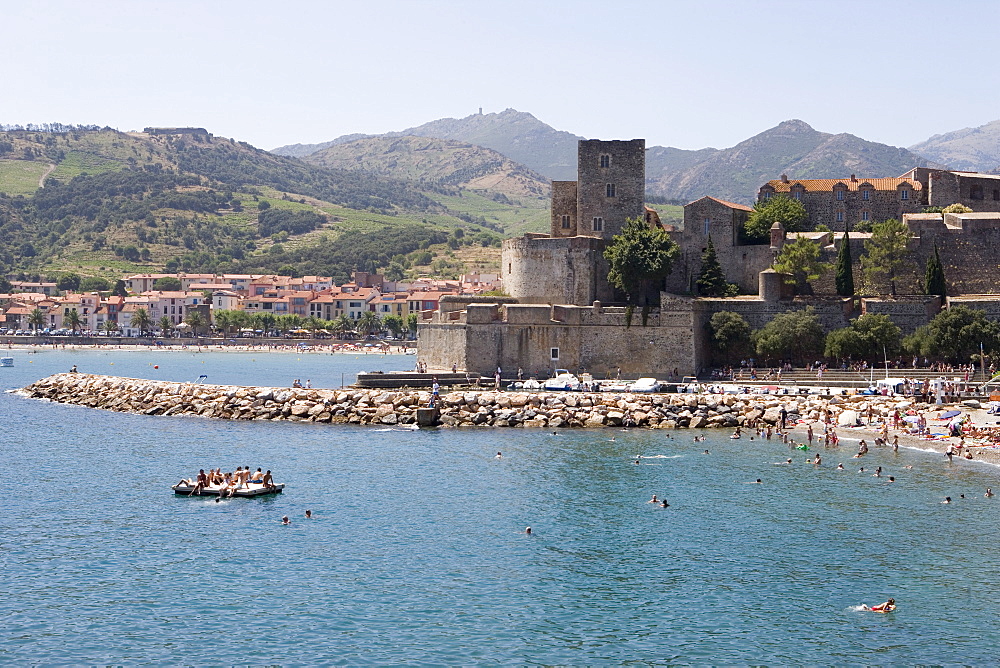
pixel 456 409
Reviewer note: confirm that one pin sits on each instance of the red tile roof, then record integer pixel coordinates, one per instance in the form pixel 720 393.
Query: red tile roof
pixel 826 185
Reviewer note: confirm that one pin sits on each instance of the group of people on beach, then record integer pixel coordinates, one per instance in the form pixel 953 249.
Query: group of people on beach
pixel 228 483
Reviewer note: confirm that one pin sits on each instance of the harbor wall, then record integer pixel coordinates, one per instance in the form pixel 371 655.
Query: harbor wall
pixel 456 409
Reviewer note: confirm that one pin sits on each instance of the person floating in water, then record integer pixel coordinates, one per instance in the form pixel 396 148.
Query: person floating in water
pixel 499 455
pixel 527 531
pixel 989 493
pixel 840 467
pixel 285 520
pixel 888 606
pixel 664 504
pixel 654 500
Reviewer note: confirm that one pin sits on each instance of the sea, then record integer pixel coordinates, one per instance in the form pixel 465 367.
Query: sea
pixel 417 551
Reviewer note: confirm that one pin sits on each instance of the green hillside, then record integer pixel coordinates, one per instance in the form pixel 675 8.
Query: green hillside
pixel 117 202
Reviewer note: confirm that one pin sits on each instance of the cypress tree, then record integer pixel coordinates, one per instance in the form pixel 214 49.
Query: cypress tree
pixel 711 281
pixel 934 276
pixel 845 273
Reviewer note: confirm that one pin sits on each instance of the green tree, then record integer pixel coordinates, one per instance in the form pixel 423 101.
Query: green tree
pixel 167 284
pixel 934 276
pixel 956 208
pixel 395 272
pixel 196 320
pixel 223 319
pixel 68 282
pixel 94 284
pixel 166 326
pixel 411 324
pixel 73 320
pixel 797 335
pixel 142 321
pixel 845 270
pixel 343 324
pixel 711 281
pixel 730 336
pixel 36 319
pixel 638 257
pixel 868 337
pixel 110 326
pixel 954 335
pixel 369 323
pixel 791 213
pixel 885 252
pixel 120 289
pixel 800 259
pixel 394 324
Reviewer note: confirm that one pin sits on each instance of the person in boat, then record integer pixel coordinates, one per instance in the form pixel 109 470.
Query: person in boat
pixel 888 606
pixel 201 482
pixel 268 481
pixel 257 476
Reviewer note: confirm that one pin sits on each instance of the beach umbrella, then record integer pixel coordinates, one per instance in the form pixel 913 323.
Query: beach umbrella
pixel 949 414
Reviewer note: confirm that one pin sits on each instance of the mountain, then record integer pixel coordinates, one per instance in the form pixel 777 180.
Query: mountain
pixel 516 134
pixel 792 147
pixel 436 161
pixel 101 202
pixel 972 149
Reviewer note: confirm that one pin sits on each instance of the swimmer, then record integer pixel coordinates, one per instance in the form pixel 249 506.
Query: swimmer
pixel 653 500
pixel 788 461
pixel 892 479
pixel 527 531
pixel 612 439
pixel 947 499
pixel 908 467
pixel 961 496
pixel 706 452
pixel 499 456
pixel 664 504
pixel 755 482
pixel 878 473
pixel 309 514
pixel 888 606
pixel 861 470
pixel 840 467
pixel 817 461
pixel 989 493
pixel 637 462
pixel 285 520
pixel 895 443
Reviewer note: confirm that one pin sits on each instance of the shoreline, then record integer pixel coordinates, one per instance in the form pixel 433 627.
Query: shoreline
pixel 321 349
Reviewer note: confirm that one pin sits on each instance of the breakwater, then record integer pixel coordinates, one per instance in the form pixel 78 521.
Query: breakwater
pixel 455 409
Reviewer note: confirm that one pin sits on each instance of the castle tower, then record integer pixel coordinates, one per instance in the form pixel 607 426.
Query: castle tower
pixel 611 185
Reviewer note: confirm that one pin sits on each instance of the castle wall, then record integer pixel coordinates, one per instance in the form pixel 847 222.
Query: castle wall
pixel 907 313
pixel 625 170
pixel 545 270
pixel 979 192
pixel 564 207
pixel 740 263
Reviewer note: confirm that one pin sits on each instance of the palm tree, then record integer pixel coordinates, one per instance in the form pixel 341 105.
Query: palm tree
pixel 369 322
pixel 165 326
pixel 141 320
pixel 36 319
pixel 110 326
pixel 196 320
pixel 343 324
pixel 223 319
pixel 313 323
pixel 266 322
pixel 73 319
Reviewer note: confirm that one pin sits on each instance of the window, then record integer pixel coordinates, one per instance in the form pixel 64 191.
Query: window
pixel 611 190
pixel 598 224
pixel 840 216
pixel 767 196
pixel 904 194
pixel 864 215
pixel 605 160
pixel 554 354
pixel 866 195
pixel 565 222
pixel 996 194
pixel 840 195
pixel 797 195
pixel 707 225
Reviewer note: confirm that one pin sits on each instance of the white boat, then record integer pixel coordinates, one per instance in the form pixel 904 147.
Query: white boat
pixel 6 361
pixel 562 381
pixel 646 385
pixel 252 489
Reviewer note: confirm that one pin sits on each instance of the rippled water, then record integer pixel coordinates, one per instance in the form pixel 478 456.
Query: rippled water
pixel 418 555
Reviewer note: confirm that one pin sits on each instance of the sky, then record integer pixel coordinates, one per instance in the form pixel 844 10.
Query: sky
pixel 688 74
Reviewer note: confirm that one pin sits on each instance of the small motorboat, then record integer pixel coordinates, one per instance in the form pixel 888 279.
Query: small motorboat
pixel 186 488
pixel 6 361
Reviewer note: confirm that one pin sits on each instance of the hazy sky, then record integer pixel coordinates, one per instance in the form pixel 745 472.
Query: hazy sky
pixel 687 74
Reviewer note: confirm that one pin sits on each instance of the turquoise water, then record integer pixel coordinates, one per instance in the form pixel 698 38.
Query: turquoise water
pixel 417 553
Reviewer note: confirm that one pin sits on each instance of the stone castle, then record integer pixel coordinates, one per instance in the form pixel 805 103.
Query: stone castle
pixel 563 313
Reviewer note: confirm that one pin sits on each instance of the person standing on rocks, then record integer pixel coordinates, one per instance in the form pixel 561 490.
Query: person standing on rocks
pixel 784 416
